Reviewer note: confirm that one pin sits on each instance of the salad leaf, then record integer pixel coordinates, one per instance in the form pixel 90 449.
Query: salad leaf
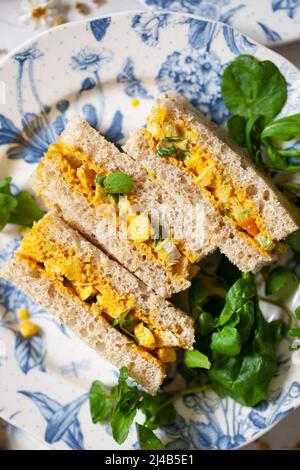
pixel 147 439
pixel 241 291
pixel 159 410
pixel 117 183
pixel 27 210
pixel 100 404
pixel 236 129
pixel 126 408
pixel 255 92
pixel 100 180
pixel 246 376
pixel 21 209
pixel 7 204
pixel 297 313
pixel 206 323
pixel 252 88
pixel 279 278
pixel 226 341
pixel 294 241
pixel 294 332
pixel 194 358
pixel 284 129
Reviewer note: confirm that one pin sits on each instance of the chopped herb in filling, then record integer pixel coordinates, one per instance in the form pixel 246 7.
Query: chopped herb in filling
pixel 180 144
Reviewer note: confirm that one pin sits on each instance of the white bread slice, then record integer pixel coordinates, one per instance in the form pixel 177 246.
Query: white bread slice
pixel 279 218
pixel 59 195
pixel 94 329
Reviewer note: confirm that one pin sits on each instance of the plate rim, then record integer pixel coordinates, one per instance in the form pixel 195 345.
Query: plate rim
pixel 74 24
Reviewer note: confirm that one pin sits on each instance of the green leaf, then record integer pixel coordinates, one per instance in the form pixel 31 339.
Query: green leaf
pixel 27 210
pixel 159 411
pixel 227 341
pixel 246 377
pixel 197 295
pixel 294 332
pixel 206 323
pixel 252 88
pixel 5 185
pixel 100 404
pixel 297 313
pixel 7 204
pixel 124 323
pixel 147 439
pixel 118 183
pixel 284 129
pixel 241 291
pixel 100 180
pixel 236 129
pixel 194 358
pixel 279 278
pixel 124 414
pixel 294 241
pixel 122 386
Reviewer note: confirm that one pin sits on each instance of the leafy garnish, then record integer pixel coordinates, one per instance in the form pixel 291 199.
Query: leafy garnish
pixel 21 209
pixel 227 341
pixel 147 439
pixel 117 183
pixel 240 345
pixel 252 88
pixel 280 278
pixel 297 313
pixel 124 323
pixel 159 410
pixel 294 332
pixel 255 92
pixel 194 358
pixel 294 241
pixel 100 180
pixel 125 400
pixel 100 403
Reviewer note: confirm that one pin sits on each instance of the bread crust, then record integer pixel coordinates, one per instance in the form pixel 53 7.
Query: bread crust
pixel 48 182
pixel 279 217
pixel 95 329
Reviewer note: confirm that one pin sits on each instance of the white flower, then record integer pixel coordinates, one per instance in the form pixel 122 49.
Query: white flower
pixel 40 13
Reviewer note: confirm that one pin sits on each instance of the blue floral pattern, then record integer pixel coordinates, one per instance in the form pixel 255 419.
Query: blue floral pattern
pixel 198 77
pixel 62 421
pixel 249 17
pixel 290 6
pixel 133 86
pixel 100 67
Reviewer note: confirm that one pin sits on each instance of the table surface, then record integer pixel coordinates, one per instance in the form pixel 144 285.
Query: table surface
pixel 286 435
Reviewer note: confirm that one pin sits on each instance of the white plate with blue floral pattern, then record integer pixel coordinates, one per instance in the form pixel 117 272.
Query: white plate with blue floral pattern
pixel 269 22
pixel 96 68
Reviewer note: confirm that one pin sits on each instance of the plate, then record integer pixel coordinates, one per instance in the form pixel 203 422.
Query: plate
pixel 269 22
pixel 102 69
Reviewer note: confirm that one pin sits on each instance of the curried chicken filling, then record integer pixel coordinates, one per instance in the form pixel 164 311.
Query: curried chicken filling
pixel 80 277
pixel 180 144
pixel 80 172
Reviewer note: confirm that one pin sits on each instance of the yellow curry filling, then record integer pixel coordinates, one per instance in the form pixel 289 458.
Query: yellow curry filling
pixel 80 172
pixel 80 277
pixel 177 141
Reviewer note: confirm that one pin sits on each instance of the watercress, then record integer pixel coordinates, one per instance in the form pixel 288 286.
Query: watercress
pixel 115 183
pixel 21 209
pixel 255 92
